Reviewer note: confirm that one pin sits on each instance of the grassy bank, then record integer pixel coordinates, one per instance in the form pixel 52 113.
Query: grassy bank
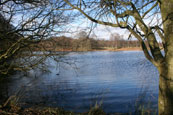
pixel 59 111
pixel 15 110
pixel 11 107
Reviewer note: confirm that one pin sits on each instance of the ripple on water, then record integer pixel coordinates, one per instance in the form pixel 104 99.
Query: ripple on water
pixel 115 80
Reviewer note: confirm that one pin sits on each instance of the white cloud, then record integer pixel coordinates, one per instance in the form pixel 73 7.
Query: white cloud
pixel 101 31
pixel 104 32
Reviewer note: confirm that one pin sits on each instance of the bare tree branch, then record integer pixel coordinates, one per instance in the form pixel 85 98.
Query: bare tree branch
pixel 90 18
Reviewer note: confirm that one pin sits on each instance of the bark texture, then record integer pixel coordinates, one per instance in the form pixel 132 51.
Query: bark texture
pixel 165 91
pixel 166 68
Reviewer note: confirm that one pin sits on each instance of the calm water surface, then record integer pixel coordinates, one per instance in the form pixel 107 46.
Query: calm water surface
pixel 116 81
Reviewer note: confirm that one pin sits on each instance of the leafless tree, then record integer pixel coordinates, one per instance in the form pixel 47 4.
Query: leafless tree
pixel 82 35
pixel 23 24
pixel 116 40
pixel 147 20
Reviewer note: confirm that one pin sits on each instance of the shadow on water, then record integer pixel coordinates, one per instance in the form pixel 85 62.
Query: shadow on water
pixel 118 82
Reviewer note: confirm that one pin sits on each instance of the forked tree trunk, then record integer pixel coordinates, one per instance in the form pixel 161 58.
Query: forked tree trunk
pixel 166 69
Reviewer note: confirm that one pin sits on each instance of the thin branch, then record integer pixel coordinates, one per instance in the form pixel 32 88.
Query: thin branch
pixel 149 9
pixel 158 29
pixel 63 9
pixel 90 18
pixel 144 48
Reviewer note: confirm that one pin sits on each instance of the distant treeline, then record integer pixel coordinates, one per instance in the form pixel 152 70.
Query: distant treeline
pixel 83 44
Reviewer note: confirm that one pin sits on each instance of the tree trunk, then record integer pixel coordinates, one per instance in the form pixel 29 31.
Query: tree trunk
pixel 165 101
pixel 166 68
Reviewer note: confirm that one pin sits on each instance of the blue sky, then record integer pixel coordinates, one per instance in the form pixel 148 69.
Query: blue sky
pixel 102 31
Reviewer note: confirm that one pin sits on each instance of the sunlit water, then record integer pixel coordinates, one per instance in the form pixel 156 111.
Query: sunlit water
pixel 116 81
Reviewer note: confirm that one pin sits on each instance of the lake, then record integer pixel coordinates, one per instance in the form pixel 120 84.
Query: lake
pixel 120 82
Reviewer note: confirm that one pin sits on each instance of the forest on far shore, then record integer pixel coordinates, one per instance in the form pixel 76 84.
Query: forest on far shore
pixel 85 43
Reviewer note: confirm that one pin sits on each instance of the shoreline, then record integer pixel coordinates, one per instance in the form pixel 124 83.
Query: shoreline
pixel 120 49
pixel 101 49
pixel 51 52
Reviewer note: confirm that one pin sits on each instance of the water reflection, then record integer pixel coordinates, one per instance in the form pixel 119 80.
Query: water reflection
pixel 118 81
